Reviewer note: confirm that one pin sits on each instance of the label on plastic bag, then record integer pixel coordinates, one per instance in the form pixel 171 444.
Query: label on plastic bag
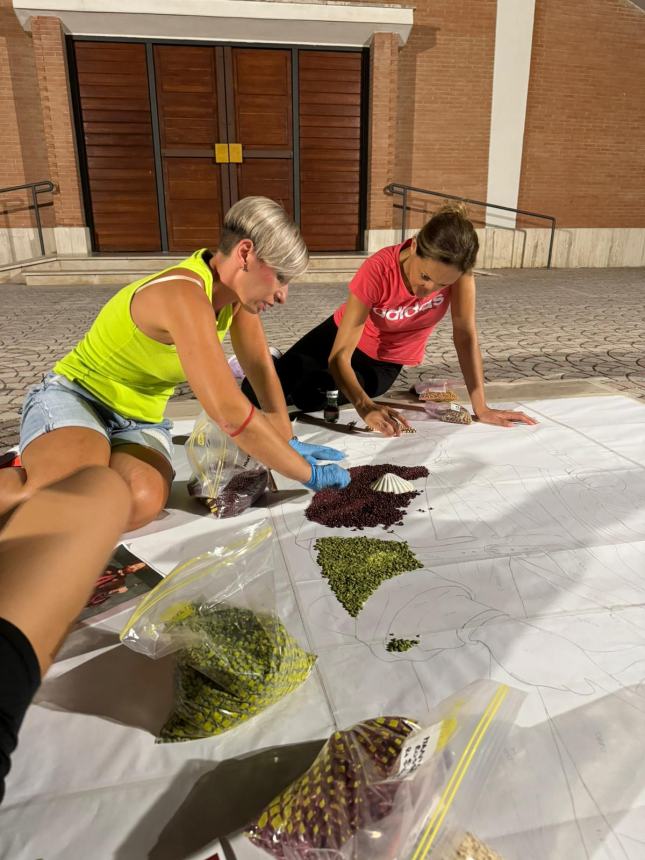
pixel 418 749
pixel 455 407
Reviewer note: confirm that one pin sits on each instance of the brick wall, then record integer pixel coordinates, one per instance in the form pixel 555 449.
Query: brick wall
pixel 584 148
pixel 445 82
pixel 384 53
pixel 51 65
pixel 583 158
pixel 445 95
pixel 24 156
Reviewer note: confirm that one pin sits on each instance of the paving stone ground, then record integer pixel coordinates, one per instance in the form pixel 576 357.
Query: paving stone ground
pixel 571 324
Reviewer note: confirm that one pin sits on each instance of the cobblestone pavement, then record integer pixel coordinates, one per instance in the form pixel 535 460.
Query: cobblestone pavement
pixel 560 324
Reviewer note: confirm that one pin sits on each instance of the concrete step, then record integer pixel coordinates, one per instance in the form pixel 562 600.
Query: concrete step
pixel 13 273
pixel 147 263
pixel 115 271
pixel 344 263
pixel 117 263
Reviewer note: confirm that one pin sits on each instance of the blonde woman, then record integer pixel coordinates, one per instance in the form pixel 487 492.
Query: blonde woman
pixel 103 403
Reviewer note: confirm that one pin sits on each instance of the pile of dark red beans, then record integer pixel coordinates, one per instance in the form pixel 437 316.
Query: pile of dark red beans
pixel 358 506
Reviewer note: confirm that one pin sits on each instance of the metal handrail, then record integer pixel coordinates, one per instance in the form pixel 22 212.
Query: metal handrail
pixel 41 187
pixel 399 188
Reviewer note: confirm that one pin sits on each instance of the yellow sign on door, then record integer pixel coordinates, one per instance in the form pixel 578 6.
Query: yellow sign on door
pixel 221 153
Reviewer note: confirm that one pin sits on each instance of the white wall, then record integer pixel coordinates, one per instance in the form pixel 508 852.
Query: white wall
pixel 513 44
pixel 225 20
pixel 582 247
pixel 18 244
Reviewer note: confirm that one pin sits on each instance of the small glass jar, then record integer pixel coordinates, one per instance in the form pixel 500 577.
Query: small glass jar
pixel 332 412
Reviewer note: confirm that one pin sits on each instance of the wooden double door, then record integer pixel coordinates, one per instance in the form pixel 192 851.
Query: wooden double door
pixel 173 135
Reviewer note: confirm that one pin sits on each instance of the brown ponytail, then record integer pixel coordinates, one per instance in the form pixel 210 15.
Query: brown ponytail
pixel 449 237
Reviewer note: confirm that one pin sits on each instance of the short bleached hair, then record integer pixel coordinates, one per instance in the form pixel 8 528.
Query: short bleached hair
pixel 276 239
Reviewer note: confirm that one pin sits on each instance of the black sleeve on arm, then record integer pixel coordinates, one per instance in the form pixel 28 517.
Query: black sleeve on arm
pixel 19 680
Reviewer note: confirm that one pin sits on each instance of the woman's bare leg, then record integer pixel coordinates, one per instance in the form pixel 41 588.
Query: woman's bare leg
pixel 12 489
pixel 63 452
pixel 149 477
pixel 49 458
pixel 53 548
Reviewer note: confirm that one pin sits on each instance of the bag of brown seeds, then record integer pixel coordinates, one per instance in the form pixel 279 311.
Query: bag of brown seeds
pixel 225 479
pixel 435 391
pixel 451 413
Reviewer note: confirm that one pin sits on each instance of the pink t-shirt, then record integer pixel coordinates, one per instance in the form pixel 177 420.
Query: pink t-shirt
pixel 399 323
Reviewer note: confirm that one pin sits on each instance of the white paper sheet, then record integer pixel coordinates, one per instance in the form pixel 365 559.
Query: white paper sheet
pixel 532 542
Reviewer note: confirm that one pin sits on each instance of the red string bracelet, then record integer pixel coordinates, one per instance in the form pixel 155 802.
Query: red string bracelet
pixel 244 424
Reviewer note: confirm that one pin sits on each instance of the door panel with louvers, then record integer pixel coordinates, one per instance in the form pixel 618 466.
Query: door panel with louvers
pixel 330 149
pixel 259 92
pixel 117 134
pixel 190 123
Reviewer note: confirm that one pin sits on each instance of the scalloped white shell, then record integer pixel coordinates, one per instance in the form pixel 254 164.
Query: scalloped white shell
pixel 391 483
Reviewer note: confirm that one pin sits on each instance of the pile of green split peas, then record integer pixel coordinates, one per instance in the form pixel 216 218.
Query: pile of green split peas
pixel 401 645
pixel 356 567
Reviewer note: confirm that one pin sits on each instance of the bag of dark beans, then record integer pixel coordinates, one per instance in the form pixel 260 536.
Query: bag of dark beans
pixel 348 788
pixel 235 657
pixel 225 479
pixel 387 789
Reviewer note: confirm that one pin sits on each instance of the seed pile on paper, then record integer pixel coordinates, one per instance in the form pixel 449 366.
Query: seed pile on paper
pixel 358 505
pixel 397 645
pixel 470 848
pixel 341 793
pixel 243 662
pixel 355 567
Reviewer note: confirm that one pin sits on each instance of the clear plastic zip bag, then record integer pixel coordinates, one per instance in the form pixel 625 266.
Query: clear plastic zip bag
pixel 387 789
pixel 451 413
pixel 225 478
pixel 435 390
pixel 235 655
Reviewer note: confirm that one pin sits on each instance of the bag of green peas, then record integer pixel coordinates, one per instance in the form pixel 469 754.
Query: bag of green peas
pixel 235 657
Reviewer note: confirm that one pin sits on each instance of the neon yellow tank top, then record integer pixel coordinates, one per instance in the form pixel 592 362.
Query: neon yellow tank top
pixel 124 368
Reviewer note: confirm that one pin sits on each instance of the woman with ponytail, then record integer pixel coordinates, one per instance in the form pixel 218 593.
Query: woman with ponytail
pixel 395 301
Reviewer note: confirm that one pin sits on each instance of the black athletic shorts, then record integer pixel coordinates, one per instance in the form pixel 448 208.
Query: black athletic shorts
pixel 305 377
pixel 19 680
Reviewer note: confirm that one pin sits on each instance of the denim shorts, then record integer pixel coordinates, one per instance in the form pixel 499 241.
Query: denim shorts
pixel 56 402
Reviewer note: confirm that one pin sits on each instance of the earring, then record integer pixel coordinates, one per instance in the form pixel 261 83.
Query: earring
pixel 245 267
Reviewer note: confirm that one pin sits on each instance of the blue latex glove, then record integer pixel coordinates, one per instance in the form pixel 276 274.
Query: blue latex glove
pixel 328 477
pixel 312 453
